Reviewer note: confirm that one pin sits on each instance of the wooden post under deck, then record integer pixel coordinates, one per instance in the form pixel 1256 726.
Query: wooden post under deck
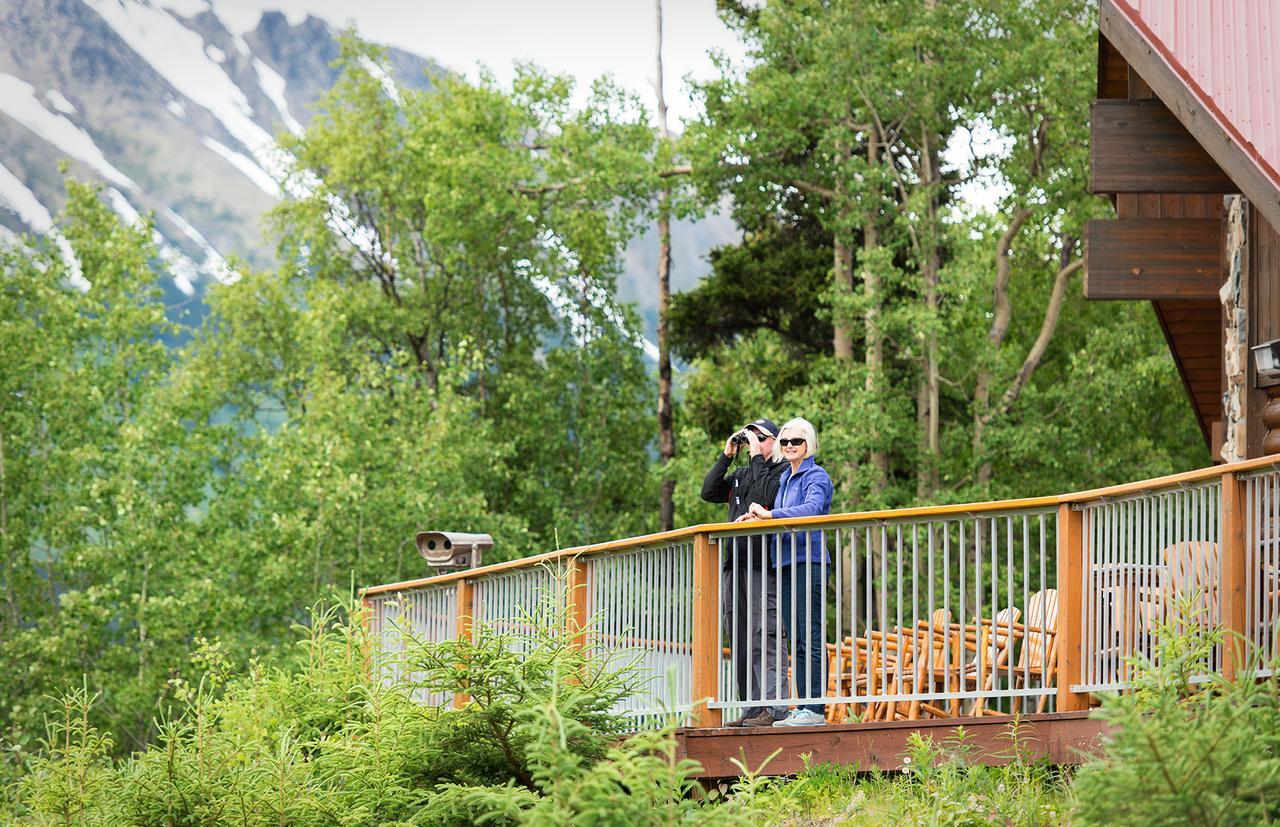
pixel 1232 560
pixel 706 630
pixel 1071 574
pixel 465 612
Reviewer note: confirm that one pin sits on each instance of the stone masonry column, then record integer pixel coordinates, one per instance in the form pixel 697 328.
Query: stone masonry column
pixel 1235 345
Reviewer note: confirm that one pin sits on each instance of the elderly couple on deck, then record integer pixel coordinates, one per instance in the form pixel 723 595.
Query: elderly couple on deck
pixel 759 572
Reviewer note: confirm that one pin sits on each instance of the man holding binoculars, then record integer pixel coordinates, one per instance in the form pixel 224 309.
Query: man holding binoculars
pixel 748 595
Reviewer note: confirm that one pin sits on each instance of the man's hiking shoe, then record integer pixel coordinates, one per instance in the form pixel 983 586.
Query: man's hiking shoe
pixel 759 720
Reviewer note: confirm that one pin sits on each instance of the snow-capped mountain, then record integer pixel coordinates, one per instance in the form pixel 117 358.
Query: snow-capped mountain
pixel 173 106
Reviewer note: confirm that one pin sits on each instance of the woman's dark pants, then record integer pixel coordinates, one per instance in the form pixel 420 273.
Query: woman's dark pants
pixel 804 615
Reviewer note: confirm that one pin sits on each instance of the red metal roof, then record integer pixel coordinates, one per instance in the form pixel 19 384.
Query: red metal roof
pixel 1227 52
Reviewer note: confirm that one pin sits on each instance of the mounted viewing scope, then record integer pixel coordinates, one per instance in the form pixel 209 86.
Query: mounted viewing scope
pixel 452 549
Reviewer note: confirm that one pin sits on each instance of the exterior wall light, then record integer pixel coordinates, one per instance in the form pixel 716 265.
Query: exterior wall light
pixel 1266 359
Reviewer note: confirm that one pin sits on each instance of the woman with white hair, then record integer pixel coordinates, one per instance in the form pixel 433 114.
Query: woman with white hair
pixel 801 560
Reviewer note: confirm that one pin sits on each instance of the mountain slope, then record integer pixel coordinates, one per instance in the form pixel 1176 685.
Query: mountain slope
pixel 173 107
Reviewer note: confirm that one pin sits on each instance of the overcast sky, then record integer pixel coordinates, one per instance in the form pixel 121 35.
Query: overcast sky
pixel 583 38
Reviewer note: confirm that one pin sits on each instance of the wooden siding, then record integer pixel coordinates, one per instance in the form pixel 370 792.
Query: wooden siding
pixel 1263 277
pixel 1139 146
pixel 1113 72
pixel 1153 258
pixel 1264 260
pixel 1193 329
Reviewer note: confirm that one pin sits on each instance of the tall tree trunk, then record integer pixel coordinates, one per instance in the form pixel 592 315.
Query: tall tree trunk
pixel 871 287
pixel 930 264
pixel 666 420
pixel 10 569
pixel 927 414
pixel 842 344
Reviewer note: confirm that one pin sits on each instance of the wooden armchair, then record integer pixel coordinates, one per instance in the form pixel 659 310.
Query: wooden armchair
pixel 1039 653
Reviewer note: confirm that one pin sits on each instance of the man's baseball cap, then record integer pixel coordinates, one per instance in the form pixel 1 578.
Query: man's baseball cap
pixel 764 426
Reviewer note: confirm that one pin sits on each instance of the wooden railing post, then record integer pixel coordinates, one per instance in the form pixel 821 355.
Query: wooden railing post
pixel 706 630
pixel 465 613
pixel 575 616
pixel 1232 594
pixel 1071 582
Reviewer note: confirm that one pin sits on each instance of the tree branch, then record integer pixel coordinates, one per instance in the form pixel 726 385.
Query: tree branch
pixel 1041 344
pixel 814 189
pixel 1003 307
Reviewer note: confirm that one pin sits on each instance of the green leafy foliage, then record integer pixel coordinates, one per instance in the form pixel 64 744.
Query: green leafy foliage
pixel 329 741
pixel 1184 751
pixel 150 495
pixel 940 784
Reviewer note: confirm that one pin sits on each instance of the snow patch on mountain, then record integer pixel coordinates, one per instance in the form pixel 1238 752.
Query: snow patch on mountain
pixel 214 264
pixel 382 76
pixel 180 268
pixel 246 165
pixel 120 204
pixel 23 202
pixel 59 102
pixel 18 100
pixel 273 86
pixel 186 8
pixel 178 54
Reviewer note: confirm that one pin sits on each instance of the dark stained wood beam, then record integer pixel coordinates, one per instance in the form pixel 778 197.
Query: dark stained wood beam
pixel 1261 190
pixel 1059 737
pixel 1158 259
pixel 1139 146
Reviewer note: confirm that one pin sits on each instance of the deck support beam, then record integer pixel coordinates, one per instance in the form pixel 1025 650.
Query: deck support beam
pixel 1058 737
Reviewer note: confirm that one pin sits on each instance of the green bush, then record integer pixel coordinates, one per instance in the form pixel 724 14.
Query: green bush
pixel 1184 749
pixel 331 742
pixel 941 784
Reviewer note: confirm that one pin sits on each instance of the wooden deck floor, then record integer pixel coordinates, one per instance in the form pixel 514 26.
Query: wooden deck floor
pixel 1062 737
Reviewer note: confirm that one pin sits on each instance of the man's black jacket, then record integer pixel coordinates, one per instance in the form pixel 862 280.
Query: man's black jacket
pixel 755 482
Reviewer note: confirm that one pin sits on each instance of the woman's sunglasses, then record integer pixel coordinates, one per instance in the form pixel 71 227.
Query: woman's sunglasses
pixel 787 443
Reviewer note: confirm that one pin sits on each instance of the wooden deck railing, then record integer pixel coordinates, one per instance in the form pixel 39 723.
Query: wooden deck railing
pixel 947 610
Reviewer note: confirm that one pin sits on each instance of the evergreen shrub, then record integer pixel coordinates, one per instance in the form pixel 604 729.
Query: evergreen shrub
pixel 1187 746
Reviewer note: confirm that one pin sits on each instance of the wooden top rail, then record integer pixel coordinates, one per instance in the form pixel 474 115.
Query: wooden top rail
pixel 919 512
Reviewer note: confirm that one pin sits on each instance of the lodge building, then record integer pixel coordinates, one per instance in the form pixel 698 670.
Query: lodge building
pixel 1186 143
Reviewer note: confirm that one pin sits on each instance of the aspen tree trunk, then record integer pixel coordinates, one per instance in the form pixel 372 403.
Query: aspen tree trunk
pixel 931 262
pixel 927 413
pixel 842 349
pixel 874 354
pixel 871 317
pixel 843 268
pixel 666 423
